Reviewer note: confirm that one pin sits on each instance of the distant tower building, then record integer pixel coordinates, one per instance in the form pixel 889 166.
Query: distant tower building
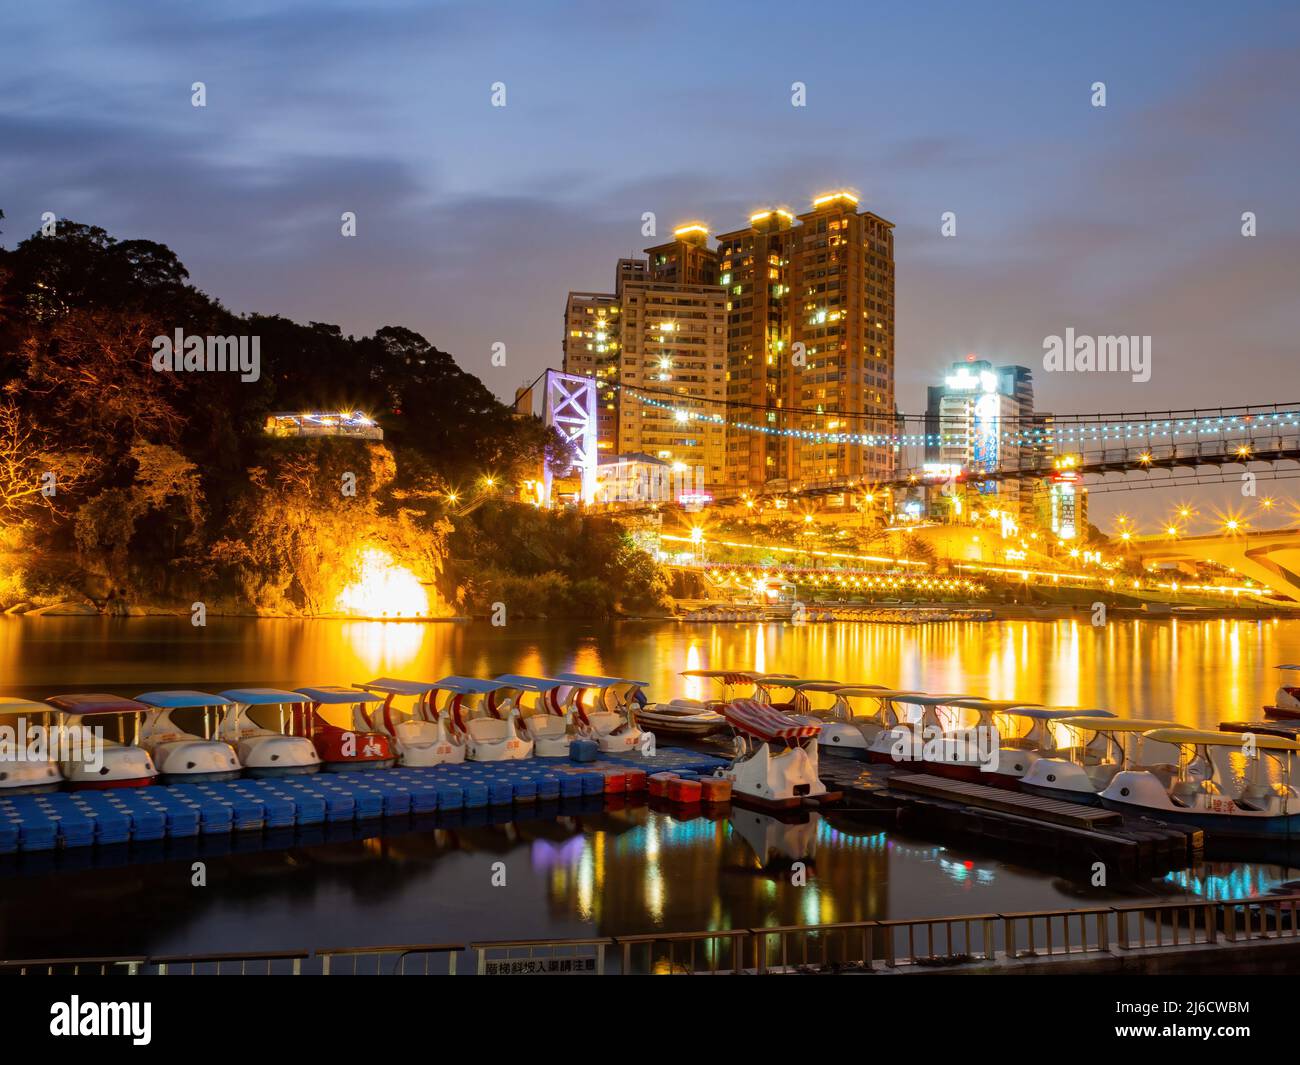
pixel 591 345
pixel 981 420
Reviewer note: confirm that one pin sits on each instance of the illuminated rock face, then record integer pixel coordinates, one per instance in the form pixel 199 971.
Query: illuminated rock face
pixel 382 589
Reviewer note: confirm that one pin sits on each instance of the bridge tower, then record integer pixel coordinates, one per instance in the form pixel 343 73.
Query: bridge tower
pixel 571 407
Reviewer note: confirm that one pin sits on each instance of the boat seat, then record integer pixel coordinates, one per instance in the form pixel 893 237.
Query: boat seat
pixel 545 726
pixel 1102 774
pixel 1184 792
pixel 604 721
pixel 415 732
pixel 1257 797
pixel 487 729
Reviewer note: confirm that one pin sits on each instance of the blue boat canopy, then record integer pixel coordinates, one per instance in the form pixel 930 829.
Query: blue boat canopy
pixel 468 685
pixel 588 681
pixel 333 693
pixel 530 684
pixel 263 696
pixel 181 699
pixel 389 686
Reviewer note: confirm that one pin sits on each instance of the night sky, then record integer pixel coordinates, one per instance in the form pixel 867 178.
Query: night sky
pixel 475 221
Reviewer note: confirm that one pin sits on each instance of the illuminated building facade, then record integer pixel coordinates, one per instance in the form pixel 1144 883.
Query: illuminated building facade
pixel 974 423
pixel 787 326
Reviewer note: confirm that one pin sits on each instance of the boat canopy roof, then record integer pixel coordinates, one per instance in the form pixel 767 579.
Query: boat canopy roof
pixel 992 706
pixel 11 705
pixel 87 703
pixel 735 676
pixel 389 686
pixel 263 696
pixel 876 691
pixel 332 693
pixel 468 685
pixel 828 685
pixel 1056 713
pixel 533 684
pixel 923 699
pixel 586 680
pixel 1199 738
pixel 1289 667
pixel 1114 724
pixel 176 700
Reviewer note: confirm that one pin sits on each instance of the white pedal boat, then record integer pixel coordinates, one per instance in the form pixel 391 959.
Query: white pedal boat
pixel 1098 749
pixel 545 707
pixel 180 733
pixel 604 710
pixel 493 732
pixel 423 736
pixel 27 756
pixel 776 755
pixel 89 758
pixel 269 730
pixel 1248 797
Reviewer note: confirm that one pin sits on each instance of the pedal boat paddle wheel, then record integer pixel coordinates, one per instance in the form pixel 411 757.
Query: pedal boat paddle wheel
pixel 422 735
pixel 101 761
pixel 182 732
pixel 609 715
pixel 337 725
pixel 775 765
pixel 483 713
pixel 271 732
pixel 27 766
pixel 545 708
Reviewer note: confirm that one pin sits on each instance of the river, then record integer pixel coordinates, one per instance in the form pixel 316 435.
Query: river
pixel 594 871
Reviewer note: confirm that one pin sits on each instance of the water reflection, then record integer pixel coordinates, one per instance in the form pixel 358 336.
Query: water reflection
pixel 606 870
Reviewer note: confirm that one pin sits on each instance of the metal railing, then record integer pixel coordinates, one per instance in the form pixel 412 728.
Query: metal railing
pixel 910 944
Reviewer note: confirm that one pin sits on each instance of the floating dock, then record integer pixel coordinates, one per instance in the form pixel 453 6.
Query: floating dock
pixel 71 819
pixel 1070 834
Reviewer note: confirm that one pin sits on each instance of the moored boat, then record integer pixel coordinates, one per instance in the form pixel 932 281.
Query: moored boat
pixel 546 709
pixel 100 761
pixel 1286 703
pixel 604 711
pixel 1201 793
pixel 343 737
pixel 268 729
pixel 181 734
pixel 27 762
pixel 1102 747
pixel 421 735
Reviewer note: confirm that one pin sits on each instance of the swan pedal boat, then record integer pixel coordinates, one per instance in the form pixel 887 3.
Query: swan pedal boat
pixel 1104 747
pixel 1250 807
pixel 1286 703
pixel 270 746
pixel 122 763
pixel 548 717
pixel 775 765
pixel 20 775
pixel 184 746
pixel 353 746
pixel 422 736
pixel 490 722
pixel 610 718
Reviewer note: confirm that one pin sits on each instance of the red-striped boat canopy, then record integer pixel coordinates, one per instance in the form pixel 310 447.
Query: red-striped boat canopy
pixel 767 724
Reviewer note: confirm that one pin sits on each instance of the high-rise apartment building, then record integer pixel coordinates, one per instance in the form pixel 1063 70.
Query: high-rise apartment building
pixel 785 331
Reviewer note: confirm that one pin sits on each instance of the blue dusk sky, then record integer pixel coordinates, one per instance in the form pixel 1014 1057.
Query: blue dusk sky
pixel 475 221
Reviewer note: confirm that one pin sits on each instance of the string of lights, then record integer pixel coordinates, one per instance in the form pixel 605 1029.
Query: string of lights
pixel 1075 432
